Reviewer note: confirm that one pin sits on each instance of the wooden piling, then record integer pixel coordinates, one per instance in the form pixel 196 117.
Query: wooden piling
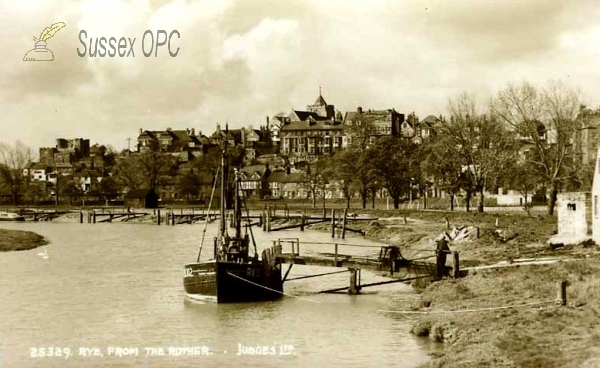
pixel 333 223
pixel 344 224
pixel 158 218
pixel 81 217
pixel 354 288
pixel 110 217
pixel 455 265
pixel 561 292
pixel 303 219
pixel 173 218
pixel 336 255
pixel 324 213
pixel 94 216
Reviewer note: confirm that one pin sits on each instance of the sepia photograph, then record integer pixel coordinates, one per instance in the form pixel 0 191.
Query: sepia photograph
pixel 299 183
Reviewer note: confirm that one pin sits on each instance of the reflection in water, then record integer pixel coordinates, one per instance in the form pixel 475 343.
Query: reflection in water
pixel 120 285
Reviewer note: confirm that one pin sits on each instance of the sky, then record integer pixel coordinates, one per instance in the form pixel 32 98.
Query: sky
pixel 241 61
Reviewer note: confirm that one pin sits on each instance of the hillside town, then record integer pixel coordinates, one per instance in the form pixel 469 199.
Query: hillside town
pixel 322 153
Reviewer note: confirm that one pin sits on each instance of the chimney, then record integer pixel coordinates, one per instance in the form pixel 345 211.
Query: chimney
pixel 193 131
pixel 359 110
pixel 141 131
pixel 169 129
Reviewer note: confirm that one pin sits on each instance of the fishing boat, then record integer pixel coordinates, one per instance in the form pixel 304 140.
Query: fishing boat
pixel 10 216
pixel 233 275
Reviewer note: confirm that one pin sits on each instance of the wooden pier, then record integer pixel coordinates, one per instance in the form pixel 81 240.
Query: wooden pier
pixel 288 251
pixel 339 223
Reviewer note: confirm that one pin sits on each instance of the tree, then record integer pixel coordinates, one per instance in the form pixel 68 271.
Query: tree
pixel 13 161
pixel 356 157
pixel 390 160
pixel 190 183
pixel 480 143
pixel 317 174
pixel 127 171
pixel 344 170
pixel 110 188
pixel 547 120
pixel 443 168
pixel 156 165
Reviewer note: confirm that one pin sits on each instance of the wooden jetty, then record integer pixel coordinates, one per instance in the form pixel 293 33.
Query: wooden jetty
pixel 288 251
pixel 339 223
pixel 31 214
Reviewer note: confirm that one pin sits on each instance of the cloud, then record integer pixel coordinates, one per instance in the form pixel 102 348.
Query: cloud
pixel 240 61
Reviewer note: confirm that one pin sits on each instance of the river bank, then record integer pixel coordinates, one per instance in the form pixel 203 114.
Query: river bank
pixel 500 316
pixel 11 240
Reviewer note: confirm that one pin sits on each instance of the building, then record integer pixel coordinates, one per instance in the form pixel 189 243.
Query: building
pixel 587 139
pixel 183 144
pixel 288 185
pixel 308 135
pixel 254 180
pixel 141 198
pixel 384 123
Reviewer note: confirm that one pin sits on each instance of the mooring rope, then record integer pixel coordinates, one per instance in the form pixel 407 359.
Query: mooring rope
pixel 467 310
pixel 273 290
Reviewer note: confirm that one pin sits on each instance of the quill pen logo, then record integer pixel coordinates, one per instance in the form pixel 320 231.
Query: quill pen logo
pixel 40 52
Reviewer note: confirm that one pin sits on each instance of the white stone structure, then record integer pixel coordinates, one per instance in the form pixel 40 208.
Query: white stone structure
pixel 596 201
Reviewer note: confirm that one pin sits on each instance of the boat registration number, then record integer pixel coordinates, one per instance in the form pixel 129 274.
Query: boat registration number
pixel 252 272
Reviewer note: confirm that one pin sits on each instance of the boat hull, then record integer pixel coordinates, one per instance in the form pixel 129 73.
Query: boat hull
pixel 4 216
pixel 232 282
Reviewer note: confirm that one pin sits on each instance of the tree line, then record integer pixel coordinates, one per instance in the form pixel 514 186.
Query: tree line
pixel 523 138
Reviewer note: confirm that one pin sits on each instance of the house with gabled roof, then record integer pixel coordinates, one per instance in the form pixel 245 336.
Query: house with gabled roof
pixel 307 135
pixel 183 144
pixel 283 184
pixel 254 180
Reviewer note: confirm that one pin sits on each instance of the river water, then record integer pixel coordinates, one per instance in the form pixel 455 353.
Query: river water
pixel 111 295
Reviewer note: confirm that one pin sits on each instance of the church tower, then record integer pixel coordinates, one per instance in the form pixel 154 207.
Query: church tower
pixel 321 108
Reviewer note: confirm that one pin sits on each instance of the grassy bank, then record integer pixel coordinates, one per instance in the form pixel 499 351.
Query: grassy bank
pixel 19 240
pixel 540 334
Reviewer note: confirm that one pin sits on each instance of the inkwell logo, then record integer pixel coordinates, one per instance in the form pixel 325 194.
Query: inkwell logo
pixel 40 52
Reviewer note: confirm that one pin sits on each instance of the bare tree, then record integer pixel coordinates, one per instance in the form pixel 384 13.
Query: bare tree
pixel 479 142
pixel 13 161
pixel 545 119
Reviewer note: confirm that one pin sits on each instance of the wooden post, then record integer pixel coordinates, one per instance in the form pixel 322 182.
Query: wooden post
pixel 158 218
pixel 447 223
pixel 354 288
pixel 94 216
pixel 324 213
pixel 302 219
pixel 110 217
pixel 344 224
pixel 269 219
pixel 81 217
pixel 263 220
pixel 455 265
pixel 561 292
pixel 333 223
pixel 497 221
pixel 336 255
pixel 173 218
pixel 477 232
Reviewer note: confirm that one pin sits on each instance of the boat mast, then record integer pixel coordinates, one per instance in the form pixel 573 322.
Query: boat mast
pixel 223 180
